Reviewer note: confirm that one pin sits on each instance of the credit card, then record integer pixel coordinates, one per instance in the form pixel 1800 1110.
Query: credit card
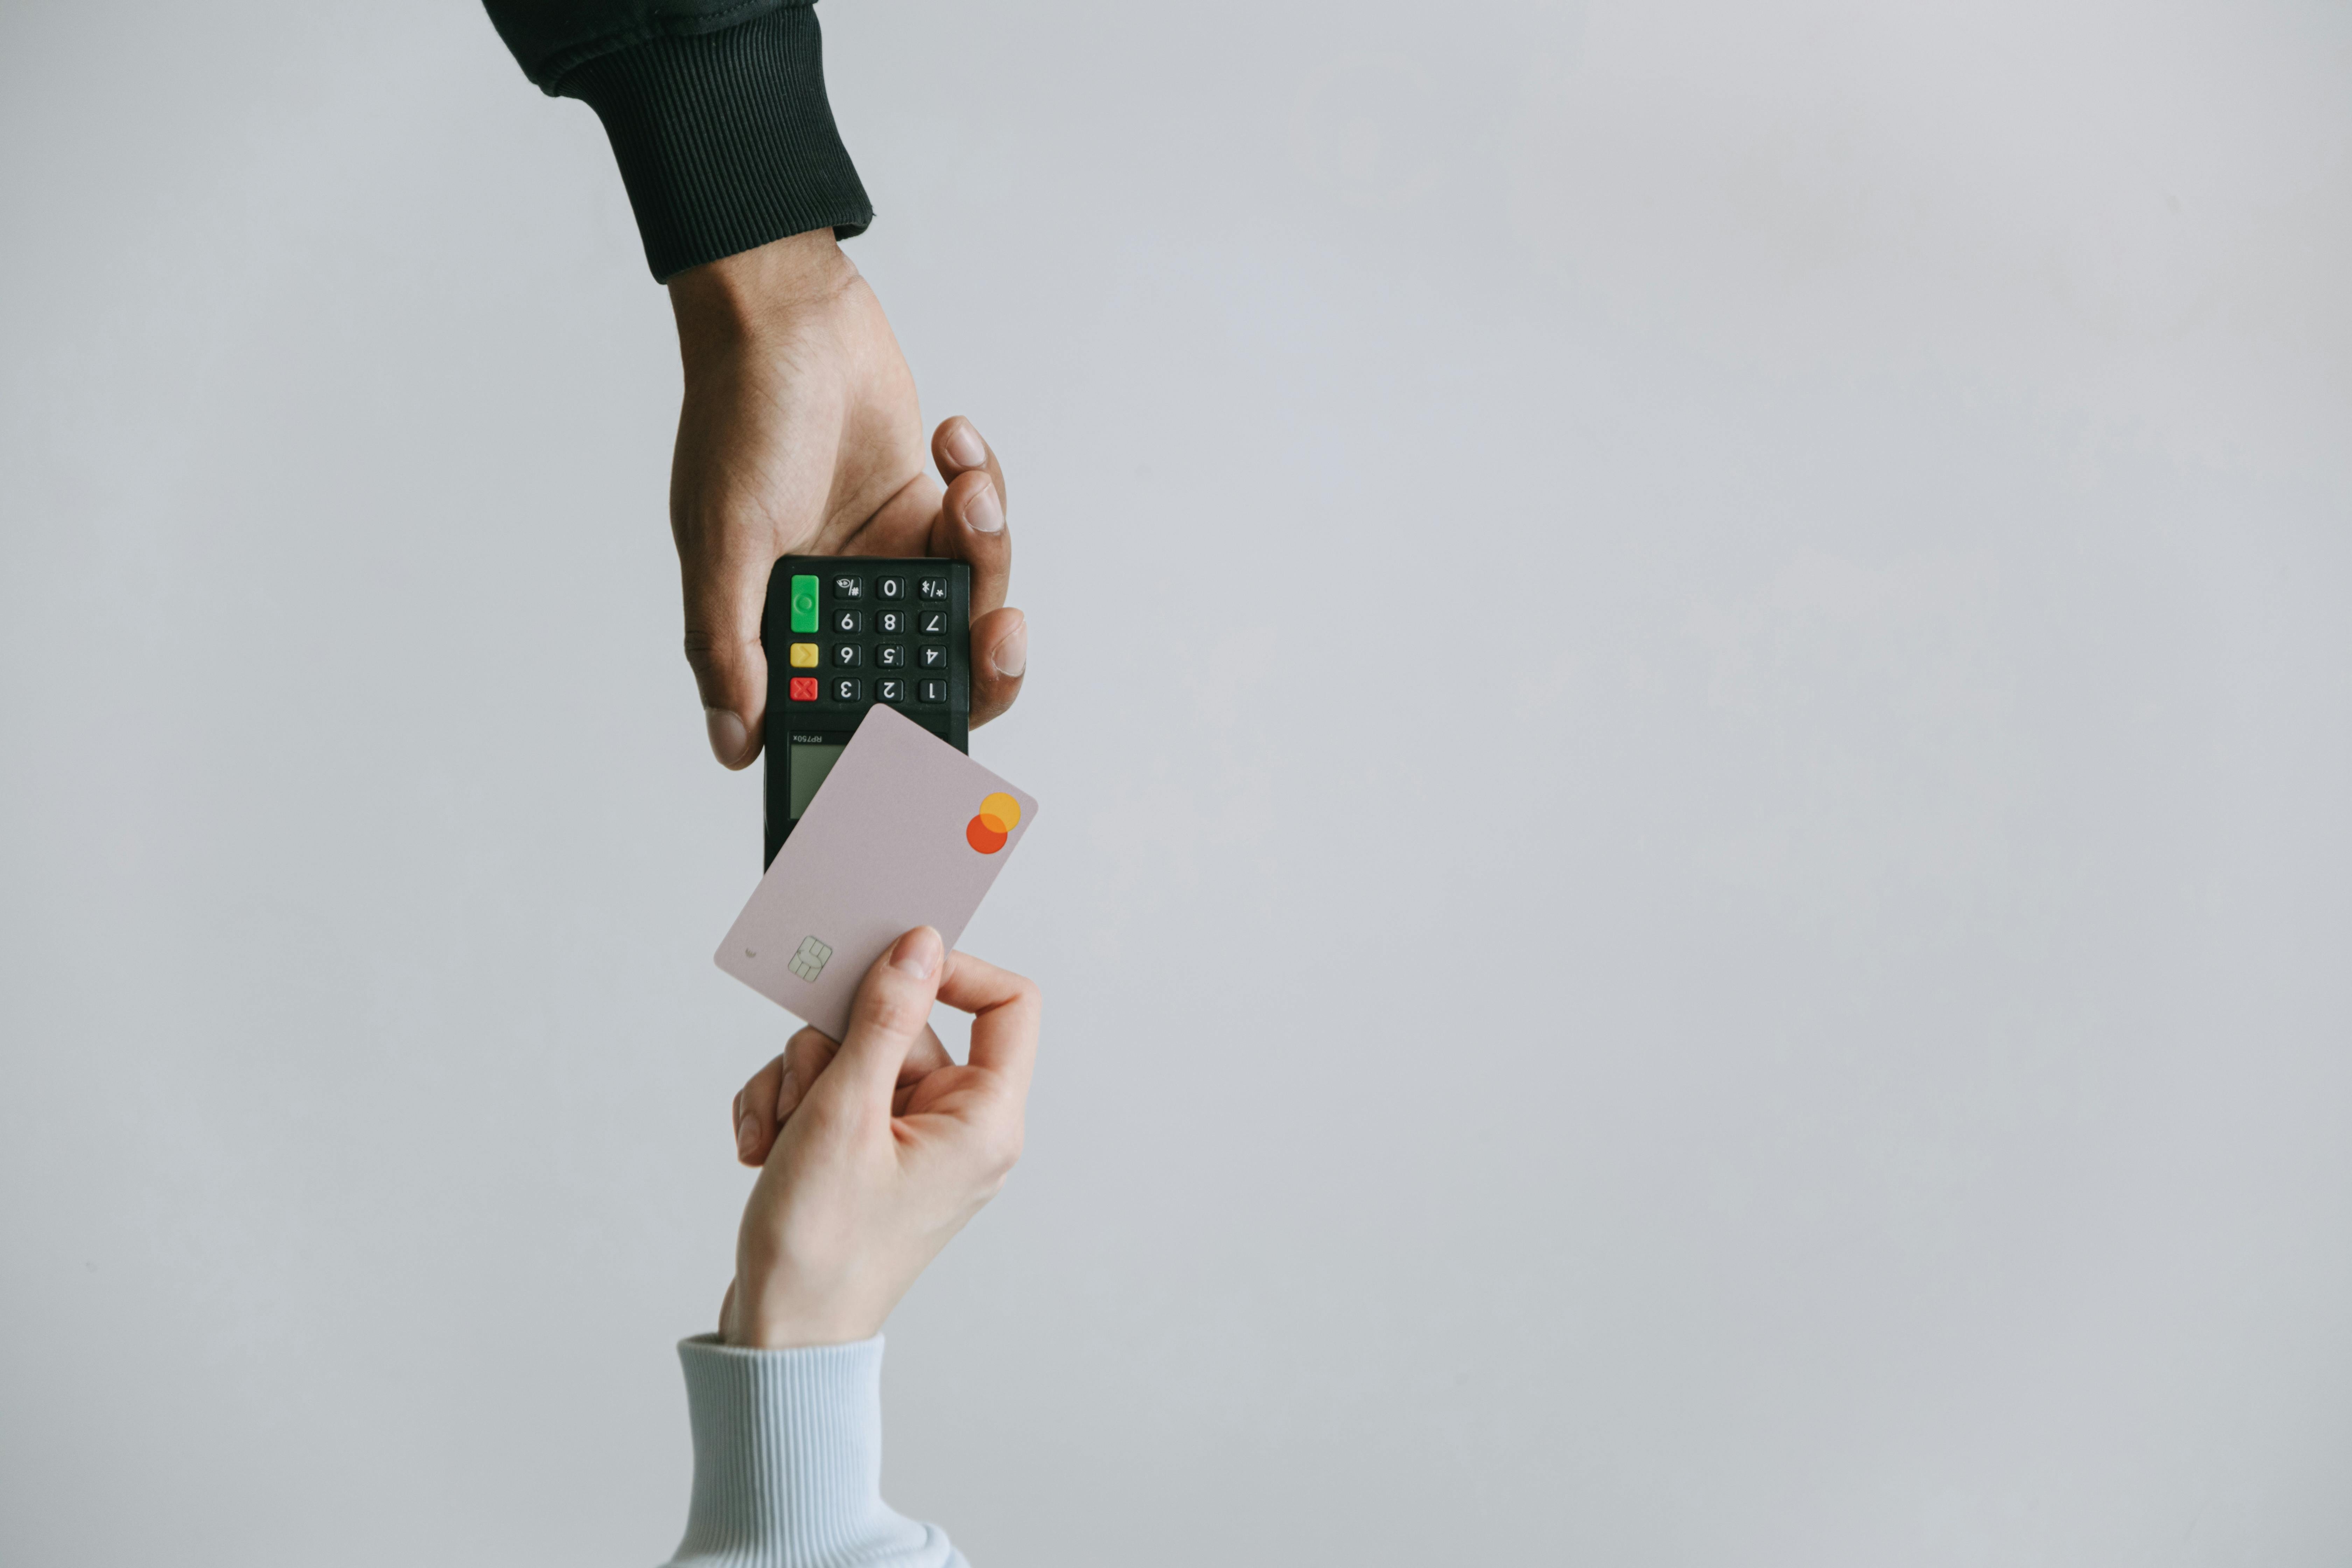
pixel 906 831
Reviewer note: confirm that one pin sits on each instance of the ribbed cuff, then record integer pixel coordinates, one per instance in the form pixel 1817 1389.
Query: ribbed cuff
pixel 725 139
pixel 788 1460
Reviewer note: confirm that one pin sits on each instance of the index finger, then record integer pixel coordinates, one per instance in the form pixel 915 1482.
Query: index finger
pixel 1005 1009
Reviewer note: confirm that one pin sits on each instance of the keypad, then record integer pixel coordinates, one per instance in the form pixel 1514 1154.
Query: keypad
pixel 884 638
pixel 864 632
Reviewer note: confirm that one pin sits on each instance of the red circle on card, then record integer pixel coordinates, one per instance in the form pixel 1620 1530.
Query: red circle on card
pixel 984 836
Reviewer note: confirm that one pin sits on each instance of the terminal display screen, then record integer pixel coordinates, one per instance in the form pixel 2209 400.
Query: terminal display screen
pixel 810 760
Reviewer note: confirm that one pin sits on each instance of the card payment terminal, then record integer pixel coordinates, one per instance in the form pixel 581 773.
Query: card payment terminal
pixel 844 632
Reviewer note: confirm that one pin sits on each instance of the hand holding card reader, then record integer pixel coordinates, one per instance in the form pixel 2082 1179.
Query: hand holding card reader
pixel 844 633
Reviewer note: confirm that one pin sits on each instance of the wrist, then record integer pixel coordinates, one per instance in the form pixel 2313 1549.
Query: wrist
pixel 758 1326
pixel 733 299
pixel 765 1313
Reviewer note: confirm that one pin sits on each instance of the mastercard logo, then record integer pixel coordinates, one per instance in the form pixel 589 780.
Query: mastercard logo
pixel 1000 814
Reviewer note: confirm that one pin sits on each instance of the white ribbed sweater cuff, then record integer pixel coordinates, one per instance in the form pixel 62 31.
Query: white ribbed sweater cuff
pixel 788 1461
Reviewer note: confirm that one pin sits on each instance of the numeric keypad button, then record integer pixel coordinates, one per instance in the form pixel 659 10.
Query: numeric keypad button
pixel 933 656
pixel 890 655
pixel 935 588
pixel 848 623
pixel 932 623
pixel 893 623
pixel 890 691
pixel 849 587
pixel 847 656
pixel 849 689
pixel 932 690
pixel 890 588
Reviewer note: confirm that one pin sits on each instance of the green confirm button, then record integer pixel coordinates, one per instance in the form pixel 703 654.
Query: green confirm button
pixel 804 604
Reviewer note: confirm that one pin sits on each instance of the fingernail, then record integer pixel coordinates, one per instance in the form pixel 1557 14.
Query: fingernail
pixel 917 953
pixel 966 447
pixel 727 735
pixel 788 1094
pixel 1010 656
pixel 981 513
pixel 747 1136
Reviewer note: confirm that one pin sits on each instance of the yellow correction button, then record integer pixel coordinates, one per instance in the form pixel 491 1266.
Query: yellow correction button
pixel 803 655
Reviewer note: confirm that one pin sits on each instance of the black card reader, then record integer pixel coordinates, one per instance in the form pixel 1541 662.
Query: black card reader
pixel 844 632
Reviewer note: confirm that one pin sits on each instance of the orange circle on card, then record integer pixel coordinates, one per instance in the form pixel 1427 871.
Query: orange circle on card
pixel 983 836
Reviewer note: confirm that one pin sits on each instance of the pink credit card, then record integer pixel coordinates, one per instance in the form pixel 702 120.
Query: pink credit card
pixel 906 831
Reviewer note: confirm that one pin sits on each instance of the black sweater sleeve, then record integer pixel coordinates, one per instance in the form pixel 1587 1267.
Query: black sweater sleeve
pixel 716 110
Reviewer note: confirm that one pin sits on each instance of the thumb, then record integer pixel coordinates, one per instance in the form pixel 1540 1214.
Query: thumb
pixel 892 1009
pixel 722 643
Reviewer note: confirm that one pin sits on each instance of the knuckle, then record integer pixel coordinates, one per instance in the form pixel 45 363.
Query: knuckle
pixel 718 651
pixel 896 1010
pixel 1000 1151
pixel 825 1119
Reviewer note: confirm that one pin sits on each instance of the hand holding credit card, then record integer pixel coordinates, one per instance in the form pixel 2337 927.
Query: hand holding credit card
pixel 906 831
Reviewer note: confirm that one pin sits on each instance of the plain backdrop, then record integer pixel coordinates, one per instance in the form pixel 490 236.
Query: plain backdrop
pixel 1692 690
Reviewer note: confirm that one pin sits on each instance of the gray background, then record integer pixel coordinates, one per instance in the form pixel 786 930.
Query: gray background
pixel 1690 685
